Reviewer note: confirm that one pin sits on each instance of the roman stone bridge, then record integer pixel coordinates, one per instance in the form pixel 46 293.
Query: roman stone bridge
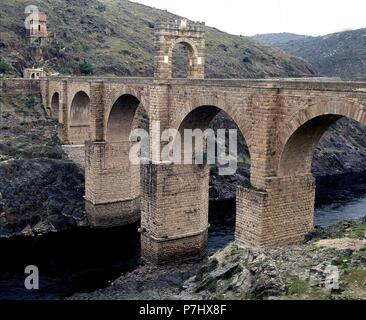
pixel 281 121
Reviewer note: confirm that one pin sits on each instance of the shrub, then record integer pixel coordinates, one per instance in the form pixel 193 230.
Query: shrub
pixel 86 47
pixel 247 60
pixel 299 287
pixel 86 68
pixel 4 67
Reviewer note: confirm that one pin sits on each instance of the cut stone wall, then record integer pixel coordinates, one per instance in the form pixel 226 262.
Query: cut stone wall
pixel 281 215
pixel 112 184
pixel 19 86
pixel 174 212
pixel 169 251
pixel 78 134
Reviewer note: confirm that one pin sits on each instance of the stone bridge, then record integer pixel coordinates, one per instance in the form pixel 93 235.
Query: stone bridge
pixel 281 121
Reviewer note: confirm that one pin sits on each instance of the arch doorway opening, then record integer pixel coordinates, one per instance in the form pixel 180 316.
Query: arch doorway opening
pixel 182 60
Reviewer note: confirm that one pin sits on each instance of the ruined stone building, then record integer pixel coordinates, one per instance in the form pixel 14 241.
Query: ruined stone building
pixel 37 29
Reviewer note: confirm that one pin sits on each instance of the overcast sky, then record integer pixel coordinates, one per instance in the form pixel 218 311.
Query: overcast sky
pixel 250 17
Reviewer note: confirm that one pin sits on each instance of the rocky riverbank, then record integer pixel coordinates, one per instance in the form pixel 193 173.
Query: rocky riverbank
pixel 331 264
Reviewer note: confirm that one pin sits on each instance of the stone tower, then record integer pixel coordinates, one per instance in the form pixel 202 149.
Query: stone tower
pixel 37 30
pixel 168 35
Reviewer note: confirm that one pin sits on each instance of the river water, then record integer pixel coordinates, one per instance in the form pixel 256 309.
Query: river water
pixel 86 259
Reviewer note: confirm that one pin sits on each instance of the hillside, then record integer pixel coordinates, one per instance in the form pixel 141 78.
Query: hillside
pixel 341 54
pixel 277 39
pixel 116 38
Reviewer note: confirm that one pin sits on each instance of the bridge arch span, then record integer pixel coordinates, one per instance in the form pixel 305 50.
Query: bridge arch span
pixel 214 102
pixel 305 129
pixel 80 109
pixel 180 192
pixel 121 117
pixel 79 118
pixel 121 113
pixel 113 190
pixel 199 117
pixel 117 93
pixel 201 113
pixel 289 198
